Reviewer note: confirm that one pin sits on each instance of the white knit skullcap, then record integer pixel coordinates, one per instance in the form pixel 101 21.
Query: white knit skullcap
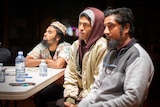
pixel 90 13
pixel 60 26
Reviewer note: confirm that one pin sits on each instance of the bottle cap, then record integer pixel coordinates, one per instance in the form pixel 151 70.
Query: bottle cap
pixel 20 52
pixel 1 64
pixel 42 60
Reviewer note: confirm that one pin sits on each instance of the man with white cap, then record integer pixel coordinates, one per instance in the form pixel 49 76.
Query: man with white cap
pixel 55 51
pixel 52 48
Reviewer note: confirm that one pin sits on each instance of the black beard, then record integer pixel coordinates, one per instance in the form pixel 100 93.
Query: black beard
pixel 45 43
pixel 112 44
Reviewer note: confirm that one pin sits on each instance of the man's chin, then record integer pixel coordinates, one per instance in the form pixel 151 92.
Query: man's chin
pixel 112 44
pixel 45 43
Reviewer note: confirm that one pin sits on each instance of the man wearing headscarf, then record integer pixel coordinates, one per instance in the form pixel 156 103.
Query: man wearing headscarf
pixel 86 55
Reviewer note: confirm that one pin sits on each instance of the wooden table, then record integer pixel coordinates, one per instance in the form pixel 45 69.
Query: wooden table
pixel 8 92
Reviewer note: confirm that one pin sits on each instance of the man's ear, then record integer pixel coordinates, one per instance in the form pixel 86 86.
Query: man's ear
pixel 58 38
pixel 127 28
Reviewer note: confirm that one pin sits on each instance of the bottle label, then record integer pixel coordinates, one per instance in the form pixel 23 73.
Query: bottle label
pixel 20 66
pixel 20 72
pixel 43 70
pixel 2 76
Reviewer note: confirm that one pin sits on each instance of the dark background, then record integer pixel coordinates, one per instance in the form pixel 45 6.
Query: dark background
pixel 23 22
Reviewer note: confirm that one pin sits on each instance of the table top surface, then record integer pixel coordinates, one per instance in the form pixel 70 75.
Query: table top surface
pixel 8 92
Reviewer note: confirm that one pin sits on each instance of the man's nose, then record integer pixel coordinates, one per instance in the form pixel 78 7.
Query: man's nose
pixel 106 31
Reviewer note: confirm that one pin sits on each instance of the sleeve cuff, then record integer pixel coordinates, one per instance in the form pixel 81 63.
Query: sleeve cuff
pixel 71 100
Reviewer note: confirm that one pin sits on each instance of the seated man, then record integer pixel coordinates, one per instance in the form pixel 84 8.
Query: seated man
pixel 55 51
pixel 86 54
pixel 127 70
pixel 5 55
pixel 52 48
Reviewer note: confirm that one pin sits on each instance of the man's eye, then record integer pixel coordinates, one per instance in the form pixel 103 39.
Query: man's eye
pixel 84 24
pixel 50 32
pixel 110 26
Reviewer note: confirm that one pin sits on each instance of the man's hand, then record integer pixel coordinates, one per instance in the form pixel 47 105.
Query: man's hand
pixel 47 60
pixel 58 63
pixel 68 104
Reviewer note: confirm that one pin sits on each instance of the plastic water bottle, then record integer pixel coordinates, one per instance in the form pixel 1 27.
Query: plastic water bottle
pixel 43 68
pixel 20 67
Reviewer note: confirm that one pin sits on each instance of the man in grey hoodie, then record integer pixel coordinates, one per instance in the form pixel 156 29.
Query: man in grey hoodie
pixel 127 70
